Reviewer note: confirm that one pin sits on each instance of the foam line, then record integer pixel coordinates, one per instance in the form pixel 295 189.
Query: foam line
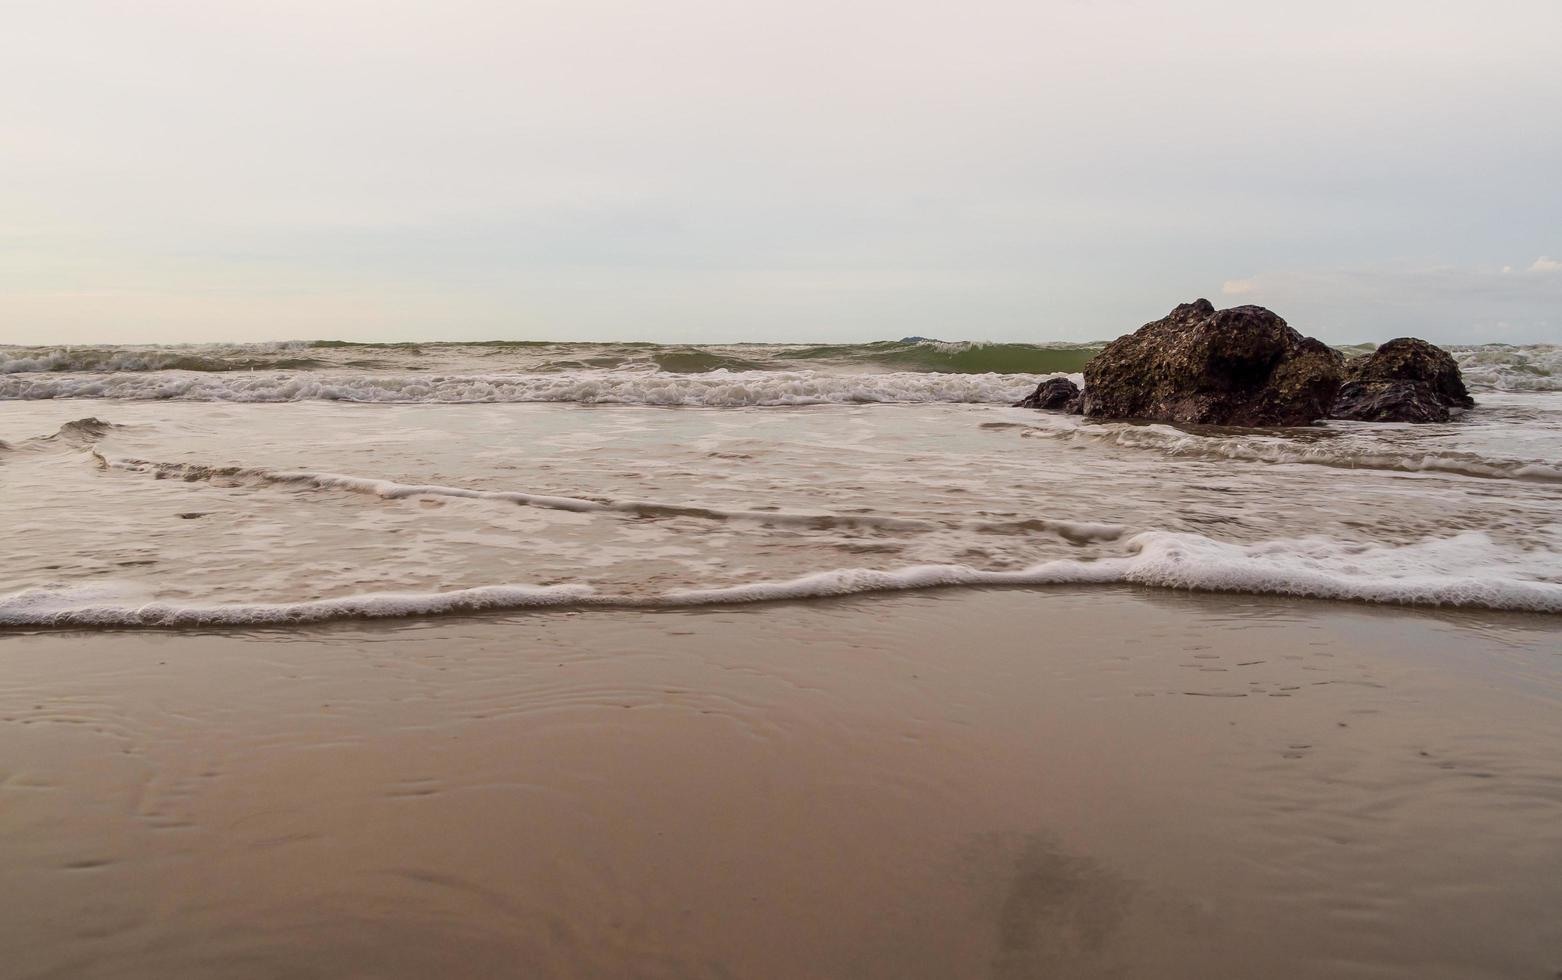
pixel 1467 570
pixel 391 490
pixel 717 389
pixel 1254 448
pixel 1077 531
pixel 45 607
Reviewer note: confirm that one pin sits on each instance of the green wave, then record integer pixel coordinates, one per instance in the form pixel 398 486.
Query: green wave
pixel 912 354
pixel 958 358
pixel 692 360
pixel 109 360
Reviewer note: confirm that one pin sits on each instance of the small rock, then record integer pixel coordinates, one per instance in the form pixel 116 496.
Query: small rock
pixel 1388 401
pixel 1405 380
pixel 1054 394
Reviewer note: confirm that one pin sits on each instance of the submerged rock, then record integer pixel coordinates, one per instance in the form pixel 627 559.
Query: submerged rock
pixel 1243 366
pixel 1057 394
pixel 1405 380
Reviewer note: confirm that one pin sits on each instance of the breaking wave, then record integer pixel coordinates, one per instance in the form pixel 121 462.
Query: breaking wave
pixel 114 360
pixel 76 435
pixel 960 357
pixel 721 389
pixel 1467 570
pixel 1498 367
pixel 1507 368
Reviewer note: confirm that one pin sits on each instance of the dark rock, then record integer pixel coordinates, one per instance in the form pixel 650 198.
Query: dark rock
pixel 1389 401
pixel 1243 366
pixel 1405 380
pixel 1054 393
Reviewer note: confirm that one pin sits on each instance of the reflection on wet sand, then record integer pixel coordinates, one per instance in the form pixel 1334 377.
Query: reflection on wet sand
pixel 1011 783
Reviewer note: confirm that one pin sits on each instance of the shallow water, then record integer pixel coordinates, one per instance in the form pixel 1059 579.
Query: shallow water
pixel 178 512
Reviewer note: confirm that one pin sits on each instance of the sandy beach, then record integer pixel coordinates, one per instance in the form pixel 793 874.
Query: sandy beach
pixel 1005 783
pixel 799 490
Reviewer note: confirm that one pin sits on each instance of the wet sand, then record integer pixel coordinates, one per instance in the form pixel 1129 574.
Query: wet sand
pixel 1024 783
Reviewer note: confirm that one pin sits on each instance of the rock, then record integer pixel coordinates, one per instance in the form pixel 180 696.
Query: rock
pixel 1055 394
pixel 1405 380
pixel 1389 401
pixel 1243 366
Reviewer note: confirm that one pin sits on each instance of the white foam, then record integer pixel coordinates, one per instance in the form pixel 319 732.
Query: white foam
pixel 1531 368
pixel 717 389
pixel 1466 570
pixel 133 358
pixel 93 607
pixel 1260 448
pixel 852 581
pixel 1502 367
pixel 391 490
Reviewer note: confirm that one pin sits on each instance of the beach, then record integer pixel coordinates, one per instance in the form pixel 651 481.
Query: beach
pixel 996 782
pixel 780 491
pixel 483 660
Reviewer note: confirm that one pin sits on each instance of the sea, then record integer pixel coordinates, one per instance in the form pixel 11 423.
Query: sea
pixel 255 484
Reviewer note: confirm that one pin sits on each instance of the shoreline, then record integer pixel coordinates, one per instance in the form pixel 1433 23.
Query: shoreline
pixel 73 609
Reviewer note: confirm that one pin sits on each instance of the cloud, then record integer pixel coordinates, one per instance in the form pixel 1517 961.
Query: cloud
pixel 1546 264
pixel 777 170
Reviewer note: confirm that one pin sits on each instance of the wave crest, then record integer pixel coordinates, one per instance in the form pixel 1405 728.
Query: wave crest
pixel 1502 367
pixel 718 389
pixel 1468 570
pixel 111 360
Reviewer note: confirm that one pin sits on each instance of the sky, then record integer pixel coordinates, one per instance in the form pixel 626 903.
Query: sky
pixel 689 171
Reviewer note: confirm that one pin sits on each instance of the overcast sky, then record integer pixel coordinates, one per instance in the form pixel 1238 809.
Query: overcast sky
pixel 757 170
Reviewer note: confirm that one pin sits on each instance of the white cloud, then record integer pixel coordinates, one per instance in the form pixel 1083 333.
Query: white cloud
pixel 1546 264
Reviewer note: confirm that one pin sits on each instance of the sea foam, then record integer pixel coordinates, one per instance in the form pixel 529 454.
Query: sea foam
pixel 94 606
pixel 1466 570
pixel 716 389
pixel 1511 368
pixel 1312 449
pixel 392 490
pixel 1491 367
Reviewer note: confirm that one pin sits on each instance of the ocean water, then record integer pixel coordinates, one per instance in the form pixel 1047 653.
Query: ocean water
pixel 279 483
